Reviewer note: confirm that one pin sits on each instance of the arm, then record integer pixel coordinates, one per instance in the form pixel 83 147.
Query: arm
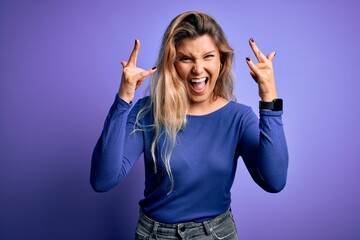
pixel 265 154
pixel 117 149
pixel 264 150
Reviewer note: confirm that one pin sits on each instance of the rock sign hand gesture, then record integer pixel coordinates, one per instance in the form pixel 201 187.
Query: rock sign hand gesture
pixel 263 73
pixel 132 76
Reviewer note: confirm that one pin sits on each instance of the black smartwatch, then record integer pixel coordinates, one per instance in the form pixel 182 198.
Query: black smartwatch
pixel 275 105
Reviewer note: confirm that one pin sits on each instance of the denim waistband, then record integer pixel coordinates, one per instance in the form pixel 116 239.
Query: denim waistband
pixel 206 226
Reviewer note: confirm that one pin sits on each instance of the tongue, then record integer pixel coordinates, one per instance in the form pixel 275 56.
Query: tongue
pixel 199 85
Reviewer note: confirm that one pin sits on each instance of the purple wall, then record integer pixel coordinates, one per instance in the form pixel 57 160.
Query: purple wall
pixel 60 70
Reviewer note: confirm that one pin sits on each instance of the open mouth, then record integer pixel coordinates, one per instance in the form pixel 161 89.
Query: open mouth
pixel 198 84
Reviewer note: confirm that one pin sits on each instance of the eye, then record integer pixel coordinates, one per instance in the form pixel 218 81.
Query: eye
pixel 184 59
pixel 209 56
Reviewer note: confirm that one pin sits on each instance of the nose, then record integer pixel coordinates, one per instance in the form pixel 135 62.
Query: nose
pixel 197 68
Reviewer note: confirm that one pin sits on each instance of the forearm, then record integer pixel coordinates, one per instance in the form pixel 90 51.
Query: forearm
pixel 265 151
pixel 107 164
pixel 272 161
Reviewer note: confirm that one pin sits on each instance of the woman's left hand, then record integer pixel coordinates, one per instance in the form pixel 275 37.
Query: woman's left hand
pixel 263 73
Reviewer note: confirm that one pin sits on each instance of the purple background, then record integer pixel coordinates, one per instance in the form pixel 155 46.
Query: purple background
pixel 60 70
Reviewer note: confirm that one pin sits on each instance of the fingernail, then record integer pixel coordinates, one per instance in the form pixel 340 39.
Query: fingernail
pixel 135 41
pixel 252 40
pixel 274 54
pixel 248 59
pixel 154 68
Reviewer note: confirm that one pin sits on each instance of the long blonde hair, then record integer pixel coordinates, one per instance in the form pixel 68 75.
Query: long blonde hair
pixel 168 98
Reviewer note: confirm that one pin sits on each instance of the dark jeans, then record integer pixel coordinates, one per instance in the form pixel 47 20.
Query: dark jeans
pixel 220 227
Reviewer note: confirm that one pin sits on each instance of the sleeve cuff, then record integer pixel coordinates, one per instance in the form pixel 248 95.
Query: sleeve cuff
pixel 122 103
pixel 270 113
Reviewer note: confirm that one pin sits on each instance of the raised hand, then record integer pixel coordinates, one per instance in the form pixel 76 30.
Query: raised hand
pixel 132 76
pixel 263 73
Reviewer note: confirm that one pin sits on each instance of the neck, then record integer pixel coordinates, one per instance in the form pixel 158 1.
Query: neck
pixel 202 108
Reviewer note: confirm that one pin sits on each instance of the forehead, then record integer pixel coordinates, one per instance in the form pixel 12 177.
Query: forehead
pixel 199 45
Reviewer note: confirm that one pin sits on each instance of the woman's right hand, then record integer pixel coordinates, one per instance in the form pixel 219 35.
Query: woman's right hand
pixel 132 76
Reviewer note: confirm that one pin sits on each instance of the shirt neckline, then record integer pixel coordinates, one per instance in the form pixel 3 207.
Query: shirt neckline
pixel 210 113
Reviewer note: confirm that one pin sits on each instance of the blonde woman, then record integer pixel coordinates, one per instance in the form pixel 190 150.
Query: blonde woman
pixel 191 132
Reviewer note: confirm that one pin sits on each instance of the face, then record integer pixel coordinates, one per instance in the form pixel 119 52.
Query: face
pixel 198 65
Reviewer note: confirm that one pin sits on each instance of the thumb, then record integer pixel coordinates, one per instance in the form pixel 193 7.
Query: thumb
pixel 271 56
pixel 123 63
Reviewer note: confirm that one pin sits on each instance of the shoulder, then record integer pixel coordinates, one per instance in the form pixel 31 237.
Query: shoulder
pixel 241 113
pixel 239 108
pixel 140 104
pixel 141 110
pixel 143 101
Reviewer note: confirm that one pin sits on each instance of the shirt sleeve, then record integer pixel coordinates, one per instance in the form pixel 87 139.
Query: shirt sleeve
pixel 264 150
pixel 118 147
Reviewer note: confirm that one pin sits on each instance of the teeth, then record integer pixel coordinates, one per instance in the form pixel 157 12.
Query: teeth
pixel 197 80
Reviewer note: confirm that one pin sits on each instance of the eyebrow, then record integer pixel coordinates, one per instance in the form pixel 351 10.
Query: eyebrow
pixel 207 53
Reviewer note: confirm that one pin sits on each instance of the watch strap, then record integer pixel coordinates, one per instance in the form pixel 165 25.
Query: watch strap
pixel 275 105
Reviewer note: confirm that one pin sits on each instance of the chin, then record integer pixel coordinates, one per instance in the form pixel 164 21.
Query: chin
pixel 199 99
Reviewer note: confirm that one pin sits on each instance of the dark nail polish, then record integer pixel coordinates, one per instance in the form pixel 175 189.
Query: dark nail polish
pixel 252 40
pixel 248 59
pixel 274 54
pixel 135 41
pixel 154 68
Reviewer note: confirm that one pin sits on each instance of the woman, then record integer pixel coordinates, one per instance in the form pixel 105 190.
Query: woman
pixel 191 133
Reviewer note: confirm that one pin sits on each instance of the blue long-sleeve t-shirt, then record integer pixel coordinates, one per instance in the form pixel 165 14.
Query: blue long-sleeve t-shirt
pixel 203 161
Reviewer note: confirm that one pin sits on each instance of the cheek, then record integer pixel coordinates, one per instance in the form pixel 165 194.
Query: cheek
pixel 215 69
pixel 181 71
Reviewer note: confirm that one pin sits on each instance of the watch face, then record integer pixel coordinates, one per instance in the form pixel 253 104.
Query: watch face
pixel 278 104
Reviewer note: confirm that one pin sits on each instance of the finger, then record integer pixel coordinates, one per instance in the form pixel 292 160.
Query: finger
pixel 271 56
pixel 254 76
pixel 258 54
pixel 134 54
pixel 138 83
pixel 144 74
pixel 252 66
pixel 123 63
